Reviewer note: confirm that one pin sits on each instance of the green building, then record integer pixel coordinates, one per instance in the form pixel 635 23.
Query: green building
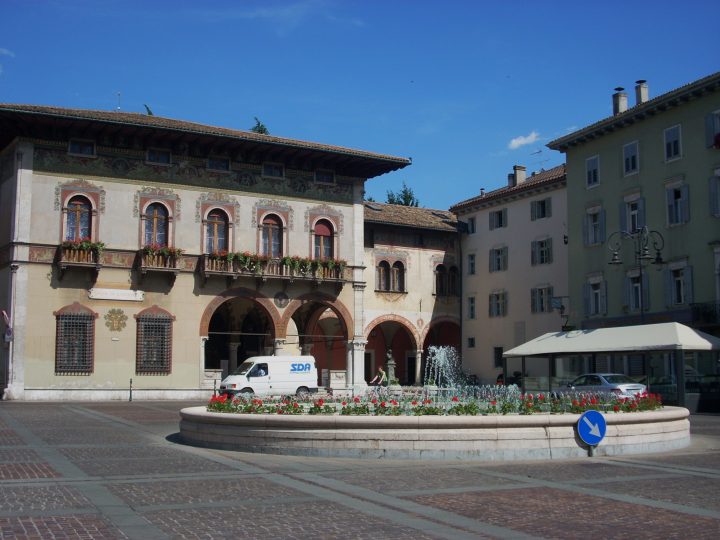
pixel 644 220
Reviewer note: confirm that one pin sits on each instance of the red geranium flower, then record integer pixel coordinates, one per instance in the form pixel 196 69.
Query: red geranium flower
pixel 616 408
pixel 295 405
pixel 344 403
pixel 414 402
pixel 455 398
pixel 356 399
pixel 374 401
pixel 382 404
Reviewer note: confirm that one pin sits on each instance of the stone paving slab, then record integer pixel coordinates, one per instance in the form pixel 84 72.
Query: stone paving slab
pixel 116 470
pixel 553 513
pixel 694 492
pixel 17 471
pixel 292 521
pixel 57 527
pixel 31 499
pixel 191 492
pixel 9 438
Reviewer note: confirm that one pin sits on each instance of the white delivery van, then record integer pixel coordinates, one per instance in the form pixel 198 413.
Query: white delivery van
pixel 272 376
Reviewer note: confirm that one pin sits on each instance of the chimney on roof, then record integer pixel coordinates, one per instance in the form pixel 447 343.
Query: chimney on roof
pixel 519 174
pixel 641 92
pixel 619 99
pixel 482 191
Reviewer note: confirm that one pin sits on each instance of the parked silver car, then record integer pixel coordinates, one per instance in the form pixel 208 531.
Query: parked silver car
pixel 617 383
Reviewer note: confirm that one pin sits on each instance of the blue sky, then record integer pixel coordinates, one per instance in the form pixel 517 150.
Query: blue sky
pixel 450 84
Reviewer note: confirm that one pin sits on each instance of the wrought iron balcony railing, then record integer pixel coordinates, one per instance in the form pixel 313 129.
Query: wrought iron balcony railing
pixel 274 268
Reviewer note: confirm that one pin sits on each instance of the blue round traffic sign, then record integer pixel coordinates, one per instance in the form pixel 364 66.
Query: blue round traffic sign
pixel 591 427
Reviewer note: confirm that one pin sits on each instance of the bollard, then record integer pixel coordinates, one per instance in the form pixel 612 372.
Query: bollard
pixel 130 398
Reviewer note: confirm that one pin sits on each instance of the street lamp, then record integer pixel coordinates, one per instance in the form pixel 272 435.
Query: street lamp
pixel 642 240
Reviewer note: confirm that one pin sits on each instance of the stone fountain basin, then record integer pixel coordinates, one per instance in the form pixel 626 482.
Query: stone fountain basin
pixel 493 437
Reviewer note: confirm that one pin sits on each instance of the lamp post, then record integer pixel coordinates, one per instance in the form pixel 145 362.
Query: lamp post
pixel 643 239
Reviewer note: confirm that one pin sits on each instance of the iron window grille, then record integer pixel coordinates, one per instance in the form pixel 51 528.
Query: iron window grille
pixel 154 343
pixel 74 343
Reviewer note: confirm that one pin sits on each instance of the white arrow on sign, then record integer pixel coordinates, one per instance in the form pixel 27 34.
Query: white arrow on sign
pixel 594 429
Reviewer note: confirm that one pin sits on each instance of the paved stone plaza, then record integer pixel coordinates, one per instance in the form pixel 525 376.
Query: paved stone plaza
pixel 116 470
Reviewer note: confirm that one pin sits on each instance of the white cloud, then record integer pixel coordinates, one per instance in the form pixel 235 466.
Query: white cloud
pixel 285 17
pixel 5 52
pixel 523 140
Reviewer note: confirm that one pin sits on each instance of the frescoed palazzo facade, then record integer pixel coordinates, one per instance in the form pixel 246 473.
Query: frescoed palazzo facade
pixel 152 255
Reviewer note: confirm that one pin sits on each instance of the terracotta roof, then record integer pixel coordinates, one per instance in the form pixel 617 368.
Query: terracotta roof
pixel 410 216
pixel 673 98
pixel 168 124
pixel 556 174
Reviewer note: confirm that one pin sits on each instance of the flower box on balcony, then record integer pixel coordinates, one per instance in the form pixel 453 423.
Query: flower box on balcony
pixel 81 254
pixel 70 255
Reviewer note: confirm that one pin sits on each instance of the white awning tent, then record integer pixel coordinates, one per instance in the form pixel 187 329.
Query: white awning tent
pixel 642 338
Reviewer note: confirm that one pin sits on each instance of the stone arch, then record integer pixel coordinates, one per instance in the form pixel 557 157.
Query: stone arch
pixel 229 294
pixel 397 319
pixel 332 302
pixel 439 320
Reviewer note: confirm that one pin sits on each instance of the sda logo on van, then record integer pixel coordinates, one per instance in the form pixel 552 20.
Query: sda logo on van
pixel 299 368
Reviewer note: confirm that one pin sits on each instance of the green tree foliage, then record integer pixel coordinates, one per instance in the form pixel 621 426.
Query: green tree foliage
pixel 405 197
pixel 259 127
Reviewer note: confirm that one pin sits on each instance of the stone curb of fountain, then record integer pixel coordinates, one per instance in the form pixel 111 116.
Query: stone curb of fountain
pixel 439 437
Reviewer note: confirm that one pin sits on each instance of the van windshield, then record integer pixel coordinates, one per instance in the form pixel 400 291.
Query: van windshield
pixel 243 368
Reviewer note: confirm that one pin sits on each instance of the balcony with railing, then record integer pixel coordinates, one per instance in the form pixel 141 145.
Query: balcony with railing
pixel 163 260
pixel 237 265
pixel 79 254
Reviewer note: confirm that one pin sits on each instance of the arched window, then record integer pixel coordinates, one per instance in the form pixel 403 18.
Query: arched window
pixel 154 341
pixel 441 280
pixel 216 228
pixel 453 281
pixel 74 340
pixel 398 277
pixel 272 236
pixel 156 225
pixel 383 276
pixel 323 240
pixel 79 219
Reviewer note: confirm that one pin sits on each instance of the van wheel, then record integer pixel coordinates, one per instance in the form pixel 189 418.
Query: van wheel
pixel 246 393
pixel 302 392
